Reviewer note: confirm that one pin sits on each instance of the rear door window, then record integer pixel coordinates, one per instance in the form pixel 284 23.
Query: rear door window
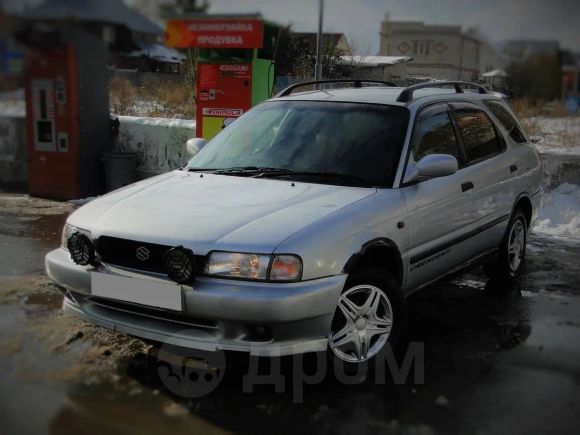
pixel 478 133
pixel 507 120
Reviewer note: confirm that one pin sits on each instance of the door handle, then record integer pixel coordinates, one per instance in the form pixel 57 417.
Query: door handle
pixel 468 185
pixel 513 168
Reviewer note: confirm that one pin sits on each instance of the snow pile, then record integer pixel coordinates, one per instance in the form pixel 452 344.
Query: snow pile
pixel 560 214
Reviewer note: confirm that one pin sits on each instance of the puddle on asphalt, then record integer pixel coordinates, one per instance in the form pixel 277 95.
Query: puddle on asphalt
pixel 45 229
pixel 24 243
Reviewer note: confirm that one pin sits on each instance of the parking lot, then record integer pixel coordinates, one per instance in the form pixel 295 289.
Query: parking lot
pixel 492 364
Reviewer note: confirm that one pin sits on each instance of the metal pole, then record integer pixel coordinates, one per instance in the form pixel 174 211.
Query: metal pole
pixel 318 66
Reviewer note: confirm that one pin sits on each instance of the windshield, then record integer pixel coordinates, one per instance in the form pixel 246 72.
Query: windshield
pixel 361 141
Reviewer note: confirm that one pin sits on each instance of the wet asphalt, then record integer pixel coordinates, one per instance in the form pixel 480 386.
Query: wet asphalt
pixel 486 362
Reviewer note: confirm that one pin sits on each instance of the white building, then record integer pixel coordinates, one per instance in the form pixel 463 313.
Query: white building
pixel 440 52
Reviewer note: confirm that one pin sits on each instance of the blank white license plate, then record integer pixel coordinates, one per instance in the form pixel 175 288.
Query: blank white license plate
pixel 139 291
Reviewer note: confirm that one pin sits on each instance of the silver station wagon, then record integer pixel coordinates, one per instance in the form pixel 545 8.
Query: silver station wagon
pixel 305 223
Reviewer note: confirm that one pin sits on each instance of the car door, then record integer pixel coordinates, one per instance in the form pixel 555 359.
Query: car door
pixel 491 172
pixel 439 209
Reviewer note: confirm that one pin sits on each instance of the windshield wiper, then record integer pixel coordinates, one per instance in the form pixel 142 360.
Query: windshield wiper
pixel 201 169
pixel 236 169
pixel 359 181
pixel 247 170
pixel 264 171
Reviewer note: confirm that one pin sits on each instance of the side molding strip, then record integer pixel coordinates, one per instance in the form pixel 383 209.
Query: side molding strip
pixel 448 245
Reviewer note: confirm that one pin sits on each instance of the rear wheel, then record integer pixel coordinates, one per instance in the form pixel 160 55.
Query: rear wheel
pixel 369 315
pixel 512 252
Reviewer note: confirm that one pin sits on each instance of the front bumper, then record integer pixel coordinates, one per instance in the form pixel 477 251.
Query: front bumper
pixel 266 319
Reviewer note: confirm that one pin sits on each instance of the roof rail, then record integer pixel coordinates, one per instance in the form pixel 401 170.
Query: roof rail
pixel 406 94
pixel 357 84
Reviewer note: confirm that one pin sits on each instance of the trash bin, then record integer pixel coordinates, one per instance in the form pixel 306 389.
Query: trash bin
pixel 120 169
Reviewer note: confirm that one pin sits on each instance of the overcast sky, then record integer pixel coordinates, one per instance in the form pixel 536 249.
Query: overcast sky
pixel 360 19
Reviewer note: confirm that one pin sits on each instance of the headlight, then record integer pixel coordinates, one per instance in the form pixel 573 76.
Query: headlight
pixel 254 266
pixel 246 266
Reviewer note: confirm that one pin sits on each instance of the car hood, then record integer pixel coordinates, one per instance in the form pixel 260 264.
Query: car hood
pixel 207 212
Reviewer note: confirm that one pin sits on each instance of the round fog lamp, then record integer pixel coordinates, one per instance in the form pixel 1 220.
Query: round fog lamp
pixel 179 264
pixel 81 249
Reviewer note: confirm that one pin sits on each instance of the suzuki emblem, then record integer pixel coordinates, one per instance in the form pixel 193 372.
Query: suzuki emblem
pixel 142 253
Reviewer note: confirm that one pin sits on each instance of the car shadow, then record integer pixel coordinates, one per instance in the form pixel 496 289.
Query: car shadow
pixel 455 332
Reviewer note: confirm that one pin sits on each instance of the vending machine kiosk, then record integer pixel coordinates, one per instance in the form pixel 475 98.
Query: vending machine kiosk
pixel 67 119
pixel 235 67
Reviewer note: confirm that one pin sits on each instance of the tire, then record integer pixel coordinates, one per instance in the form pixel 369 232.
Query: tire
pixel 377 326
pixel 508 266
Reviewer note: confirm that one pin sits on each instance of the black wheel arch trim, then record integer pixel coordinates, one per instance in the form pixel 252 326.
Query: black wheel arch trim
pixel 380 242
pixel 527 196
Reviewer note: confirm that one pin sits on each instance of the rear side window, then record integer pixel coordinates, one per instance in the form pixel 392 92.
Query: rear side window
pixel 434 135
pixel 507 120
pixel 478 133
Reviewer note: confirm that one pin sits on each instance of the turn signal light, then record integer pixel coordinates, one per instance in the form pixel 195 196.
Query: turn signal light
pixel 286 268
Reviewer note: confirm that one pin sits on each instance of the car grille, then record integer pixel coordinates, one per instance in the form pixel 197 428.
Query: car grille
pixel 132 254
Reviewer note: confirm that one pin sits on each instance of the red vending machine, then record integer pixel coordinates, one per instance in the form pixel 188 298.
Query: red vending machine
pixel 67 121
pixel 224 91
pixel 235 67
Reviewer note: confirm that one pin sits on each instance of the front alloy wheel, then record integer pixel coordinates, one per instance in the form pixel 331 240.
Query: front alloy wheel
pixel 362 323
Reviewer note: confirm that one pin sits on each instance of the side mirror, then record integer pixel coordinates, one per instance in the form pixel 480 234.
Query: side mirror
pixel 432 166
pixel 195 145
pixel 536 139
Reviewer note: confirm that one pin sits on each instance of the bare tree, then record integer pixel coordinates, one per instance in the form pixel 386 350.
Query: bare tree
pixel 359 53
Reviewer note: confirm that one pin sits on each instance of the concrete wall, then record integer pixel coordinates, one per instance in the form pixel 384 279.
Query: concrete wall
pixel 159 141
pixel 559 168
pixel 13 151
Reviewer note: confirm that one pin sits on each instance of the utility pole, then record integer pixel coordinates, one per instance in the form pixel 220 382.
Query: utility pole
pixel 318 66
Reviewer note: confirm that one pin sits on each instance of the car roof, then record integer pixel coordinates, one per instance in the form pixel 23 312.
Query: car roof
pixel 388 95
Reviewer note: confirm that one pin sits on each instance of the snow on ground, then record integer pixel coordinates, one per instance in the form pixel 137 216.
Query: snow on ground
pixel 162 122
pixel 25 205
pixel 560 214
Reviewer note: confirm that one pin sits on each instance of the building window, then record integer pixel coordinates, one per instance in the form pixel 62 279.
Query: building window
pixel 421 48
